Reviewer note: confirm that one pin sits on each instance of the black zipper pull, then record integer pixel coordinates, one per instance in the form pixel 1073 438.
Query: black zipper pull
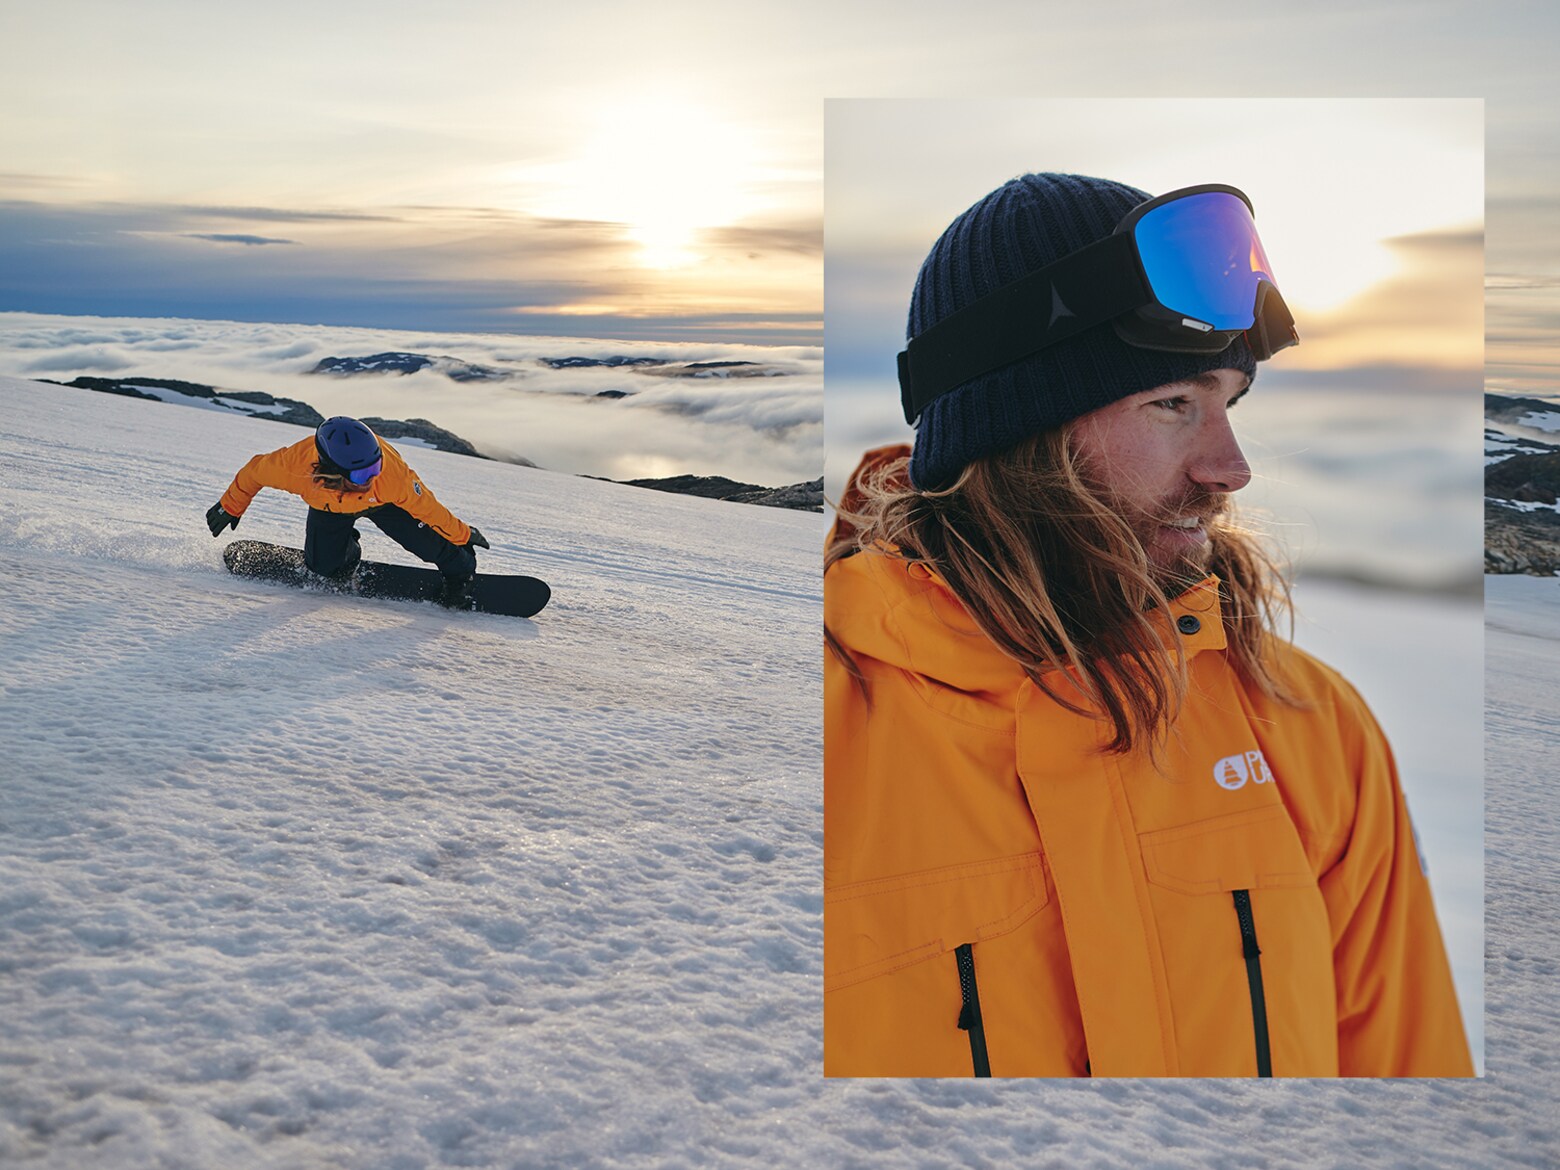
pixel 1253 953
pixel 969 1013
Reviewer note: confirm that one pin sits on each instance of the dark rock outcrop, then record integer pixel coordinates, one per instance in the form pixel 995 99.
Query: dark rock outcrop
pixel 1521 524
pixel 585 363
pixel 1508 408
pixel 1533 479
pixel 267 406
pixel 713 370
pixel 806 497
pixel 1521 542
pixel 407 363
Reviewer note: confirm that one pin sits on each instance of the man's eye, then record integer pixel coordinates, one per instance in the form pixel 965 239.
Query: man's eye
pixel 1172 404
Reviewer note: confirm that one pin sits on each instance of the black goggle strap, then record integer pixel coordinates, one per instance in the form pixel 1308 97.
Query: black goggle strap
pixel 1077 292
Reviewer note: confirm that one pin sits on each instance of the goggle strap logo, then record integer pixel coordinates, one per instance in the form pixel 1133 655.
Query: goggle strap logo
pixel 1087 288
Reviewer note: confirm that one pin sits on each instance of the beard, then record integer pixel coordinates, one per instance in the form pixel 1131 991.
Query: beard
pixel 1178 557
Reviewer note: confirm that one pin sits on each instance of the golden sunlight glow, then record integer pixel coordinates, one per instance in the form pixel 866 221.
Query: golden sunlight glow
pixel 1321 265
pixel 663 169
pixel 645 466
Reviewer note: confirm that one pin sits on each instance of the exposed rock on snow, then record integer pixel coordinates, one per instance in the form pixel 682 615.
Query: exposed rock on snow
pixel 253 402
pixel 585 363
pixel 806 497
pixel 665 368
pixel 714 370
pixel 1521 486
pixel 1537 413
pixel 409 363
pixel 1521 541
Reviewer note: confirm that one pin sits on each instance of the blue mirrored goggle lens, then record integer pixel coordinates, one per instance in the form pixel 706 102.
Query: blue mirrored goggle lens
pixel 363 474
pixel 1203 258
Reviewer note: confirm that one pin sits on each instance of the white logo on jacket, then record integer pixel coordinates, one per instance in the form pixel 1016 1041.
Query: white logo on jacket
pixel 1232 772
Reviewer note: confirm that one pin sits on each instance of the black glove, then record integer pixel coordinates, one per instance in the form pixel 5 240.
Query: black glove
pixel 476 539
pixel 218 518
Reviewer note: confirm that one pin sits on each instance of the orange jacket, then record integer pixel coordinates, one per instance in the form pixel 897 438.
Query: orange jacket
pixel 980 846
pixel 291 469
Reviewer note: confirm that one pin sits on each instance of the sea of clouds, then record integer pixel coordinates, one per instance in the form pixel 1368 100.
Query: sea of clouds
pixel 759 429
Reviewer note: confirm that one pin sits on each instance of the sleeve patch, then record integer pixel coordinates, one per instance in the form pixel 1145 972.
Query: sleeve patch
pixel 417 487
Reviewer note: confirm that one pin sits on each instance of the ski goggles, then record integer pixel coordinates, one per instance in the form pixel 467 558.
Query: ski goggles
pixel 1183 273
pixel 363 474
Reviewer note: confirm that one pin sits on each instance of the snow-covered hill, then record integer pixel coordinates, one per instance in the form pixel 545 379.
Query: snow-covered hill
pixel 294 880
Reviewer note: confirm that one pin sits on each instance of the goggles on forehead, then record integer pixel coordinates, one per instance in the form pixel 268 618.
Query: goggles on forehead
pixel 1184 273
pixel 363 474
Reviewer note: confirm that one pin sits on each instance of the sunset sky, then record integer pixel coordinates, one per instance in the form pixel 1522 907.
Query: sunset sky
pixel 612 170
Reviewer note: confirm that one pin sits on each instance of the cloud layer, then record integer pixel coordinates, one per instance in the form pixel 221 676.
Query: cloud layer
pixel 761 429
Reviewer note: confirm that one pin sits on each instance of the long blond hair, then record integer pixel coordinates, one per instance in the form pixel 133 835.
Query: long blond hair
pixel 1056 577
pixel 335 481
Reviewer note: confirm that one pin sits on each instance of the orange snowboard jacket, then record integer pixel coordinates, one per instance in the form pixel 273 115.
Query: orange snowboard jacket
pixel 1004 898
pixel 291 469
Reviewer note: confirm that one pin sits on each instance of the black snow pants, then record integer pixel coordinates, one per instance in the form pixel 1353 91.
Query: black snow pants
pixel 330 542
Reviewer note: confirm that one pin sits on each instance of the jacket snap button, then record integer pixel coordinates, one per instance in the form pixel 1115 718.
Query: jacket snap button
pixel 1187 624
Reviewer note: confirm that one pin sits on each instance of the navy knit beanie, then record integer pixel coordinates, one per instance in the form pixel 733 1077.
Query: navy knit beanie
pixel 1020 227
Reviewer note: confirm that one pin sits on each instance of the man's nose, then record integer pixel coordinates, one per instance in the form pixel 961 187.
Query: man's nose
pixel 1219 465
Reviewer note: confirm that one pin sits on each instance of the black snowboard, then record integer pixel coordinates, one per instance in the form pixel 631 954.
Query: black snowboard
pixel 493 592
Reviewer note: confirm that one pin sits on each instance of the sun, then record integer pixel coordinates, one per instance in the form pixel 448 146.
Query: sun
pixel 665 170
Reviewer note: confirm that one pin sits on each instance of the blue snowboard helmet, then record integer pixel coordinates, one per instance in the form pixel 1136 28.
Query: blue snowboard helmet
pixel 348 448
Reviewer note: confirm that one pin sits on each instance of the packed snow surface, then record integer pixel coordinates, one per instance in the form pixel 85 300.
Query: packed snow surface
pixel 297 880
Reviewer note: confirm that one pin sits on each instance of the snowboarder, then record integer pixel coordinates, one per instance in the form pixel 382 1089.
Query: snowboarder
pixel 346 472
pixel 1085 811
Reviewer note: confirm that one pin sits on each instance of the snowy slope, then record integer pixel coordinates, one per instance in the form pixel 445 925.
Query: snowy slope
pixel 285 876
pixel 290 880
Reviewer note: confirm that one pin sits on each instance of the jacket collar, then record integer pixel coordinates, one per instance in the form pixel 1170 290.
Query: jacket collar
pixel 903 613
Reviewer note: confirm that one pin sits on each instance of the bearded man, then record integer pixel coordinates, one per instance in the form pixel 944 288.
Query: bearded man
pixel 1086 812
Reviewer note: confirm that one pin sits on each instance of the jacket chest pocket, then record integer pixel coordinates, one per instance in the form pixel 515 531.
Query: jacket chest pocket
pixel 1253 849
pixel 1246 945
pixel 901 991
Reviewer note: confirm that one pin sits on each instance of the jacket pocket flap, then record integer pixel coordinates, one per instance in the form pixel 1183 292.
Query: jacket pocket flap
pixel 1255 849
pixel 873 927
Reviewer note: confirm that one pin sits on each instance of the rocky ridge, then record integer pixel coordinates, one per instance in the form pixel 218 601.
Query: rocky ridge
pixel 1521 485
pixel 409 363
pixel 252 402
pixel 805 497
